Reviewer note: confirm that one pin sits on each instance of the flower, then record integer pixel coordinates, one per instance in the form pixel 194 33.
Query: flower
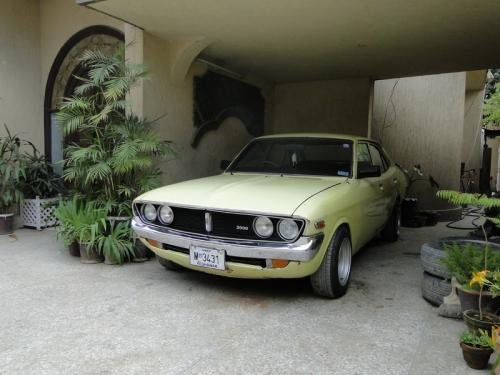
pixel 479 278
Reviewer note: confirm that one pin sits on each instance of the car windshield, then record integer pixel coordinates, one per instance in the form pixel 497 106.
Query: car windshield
pixel 306 156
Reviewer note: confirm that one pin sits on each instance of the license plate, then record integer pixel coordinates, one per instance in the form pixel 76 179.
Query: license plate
pixel 205 257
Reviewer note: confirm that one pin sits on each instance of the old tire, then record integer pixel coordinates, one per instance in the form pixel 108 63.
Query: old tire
pixel 332 277
pixel 431 255
pixel 390 232
pixel 168 264
pixel 434 289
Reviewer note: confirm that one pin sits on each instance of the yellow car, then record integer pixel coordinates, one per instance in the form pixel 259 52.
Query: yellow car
pixel 288 206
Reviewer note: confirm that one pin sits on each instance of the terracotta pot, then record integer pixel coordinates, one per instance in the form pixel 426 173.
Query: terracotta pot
pixel 6 224
pixel 89 256
pixel 476 357
pixel 469 300
pixel 74 249
pixel 474 323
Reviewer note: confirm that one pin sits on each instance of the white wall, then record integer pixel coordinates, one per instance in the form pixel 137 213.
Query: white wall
pixel 424 125
pixel 21 100
pixel 336 106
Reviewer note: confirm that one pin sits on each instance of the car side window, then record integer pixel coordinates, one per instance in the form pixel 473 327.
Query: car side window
pixel 377 158
pixel 363 155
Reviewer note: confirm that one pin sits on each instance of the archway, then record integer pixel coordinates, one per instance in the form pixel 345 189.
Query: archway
pixel 61 80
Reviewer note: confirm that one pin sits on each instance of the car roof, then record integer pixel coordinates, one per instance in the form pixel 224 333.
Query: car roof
pixel 318 135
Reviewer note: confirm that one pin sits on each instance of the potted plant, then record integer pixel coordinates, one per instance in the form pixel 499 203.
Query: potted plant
pixel 478 319
pixel 90 221
pixel 476 348
pixel 114 242
pixel 67 213
pixel 12 170
pixel 462 261
pixel 40 187
pixel 116 163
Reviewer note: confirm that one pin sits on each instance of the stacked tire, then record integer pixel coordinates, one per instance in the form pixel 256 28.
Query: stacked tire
pixel 436 282
pixel 436 278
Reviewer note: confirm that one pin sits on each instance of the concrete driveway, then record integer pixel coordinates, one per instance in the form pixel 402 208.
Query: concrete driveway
pixel 60 316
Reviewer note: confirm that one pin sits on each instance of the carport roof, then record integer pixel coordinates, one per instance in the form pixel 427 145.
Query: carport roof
pixel 297 40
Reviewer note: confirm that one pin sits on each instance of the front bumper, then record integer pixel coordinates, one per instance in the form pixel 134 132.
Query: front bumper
pixel 302 250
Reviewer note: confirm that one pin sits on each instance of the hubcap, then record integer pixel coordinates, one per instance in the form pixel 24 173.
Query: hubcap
pixel 344 266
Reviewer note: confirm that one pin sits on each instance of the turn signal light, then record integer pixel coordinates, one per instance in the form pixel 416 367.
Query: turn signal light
pixel 153 242
pixel 319 224
pixel 279 263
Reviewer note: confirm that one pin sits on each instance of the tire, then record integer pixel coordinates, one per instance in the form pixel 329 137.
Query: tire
pixel 390 233
pixel 327 281
pixel 168 264
pixel 431 255
pixel 434 289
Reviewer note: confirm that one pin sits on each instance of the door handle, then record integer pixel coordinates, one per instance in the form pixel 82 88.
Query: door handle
pixel 381 186
pixel 395 180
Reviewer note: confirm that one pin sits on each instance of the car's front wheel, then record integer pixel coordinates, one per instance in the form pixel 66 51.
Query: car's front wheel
pixel 332 277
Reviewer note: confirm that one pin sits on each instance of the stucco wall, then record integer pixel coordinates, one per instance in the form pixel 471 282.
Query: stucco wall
pixel 59 20
pixel 174 104
pixel 336 106
pixel 424 124
pixel 471 145
pixel 20 84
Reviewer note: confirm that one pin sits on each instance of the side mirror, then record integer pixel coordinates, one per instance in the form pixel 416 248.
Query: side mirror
pixel 224 164
pixel 369 171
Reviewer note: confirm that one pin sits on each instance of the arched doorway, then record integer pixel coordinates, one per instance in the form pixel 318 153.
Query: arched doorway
pixel 61 80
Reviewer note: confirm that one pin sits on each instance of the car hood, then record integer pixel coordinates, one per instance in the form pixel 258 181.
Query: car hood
pixel 243 192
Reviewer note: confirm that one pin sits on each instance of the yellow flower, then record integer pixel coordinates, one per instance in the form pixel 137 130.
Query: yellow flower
pixel 479 278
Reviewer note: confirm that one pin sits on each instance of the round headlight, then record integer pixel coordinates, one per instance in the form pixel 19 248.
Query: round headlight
pixel 149 212
pixel 263 226
pixel 288 229
pixel 166 215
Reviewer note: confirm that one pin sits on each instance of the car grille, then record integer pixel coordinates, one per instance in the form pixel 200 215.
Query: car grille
pixel 224 224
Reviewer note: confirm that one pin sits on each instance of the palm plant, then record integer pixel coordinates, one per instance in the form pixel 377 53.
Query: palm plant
pixel 114 158
pixel 67 213
pixel 89 222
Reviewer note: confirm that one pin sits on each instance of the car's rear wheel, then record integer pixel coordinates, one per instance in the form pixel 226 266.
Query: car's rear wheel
pixel 391 230
pixel 332 277
pixel 168 264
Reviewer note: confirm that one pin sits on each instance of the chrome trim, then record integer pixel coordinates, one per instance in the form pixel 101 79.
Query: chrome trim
pixel 303 250
pixel 206 208
pixel 303 221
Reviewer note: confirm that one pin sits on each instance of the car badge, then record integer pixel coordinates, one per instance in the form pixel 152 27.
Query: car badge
pixel 208 221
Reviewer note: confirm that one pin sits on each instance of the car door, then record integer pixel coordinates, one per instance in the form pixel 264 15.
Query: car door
pixel 371 197
pixel 386 182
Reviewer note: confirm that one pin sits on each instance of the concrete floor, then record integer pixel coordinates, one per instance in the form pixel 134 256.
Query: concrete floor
pixel 60 316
